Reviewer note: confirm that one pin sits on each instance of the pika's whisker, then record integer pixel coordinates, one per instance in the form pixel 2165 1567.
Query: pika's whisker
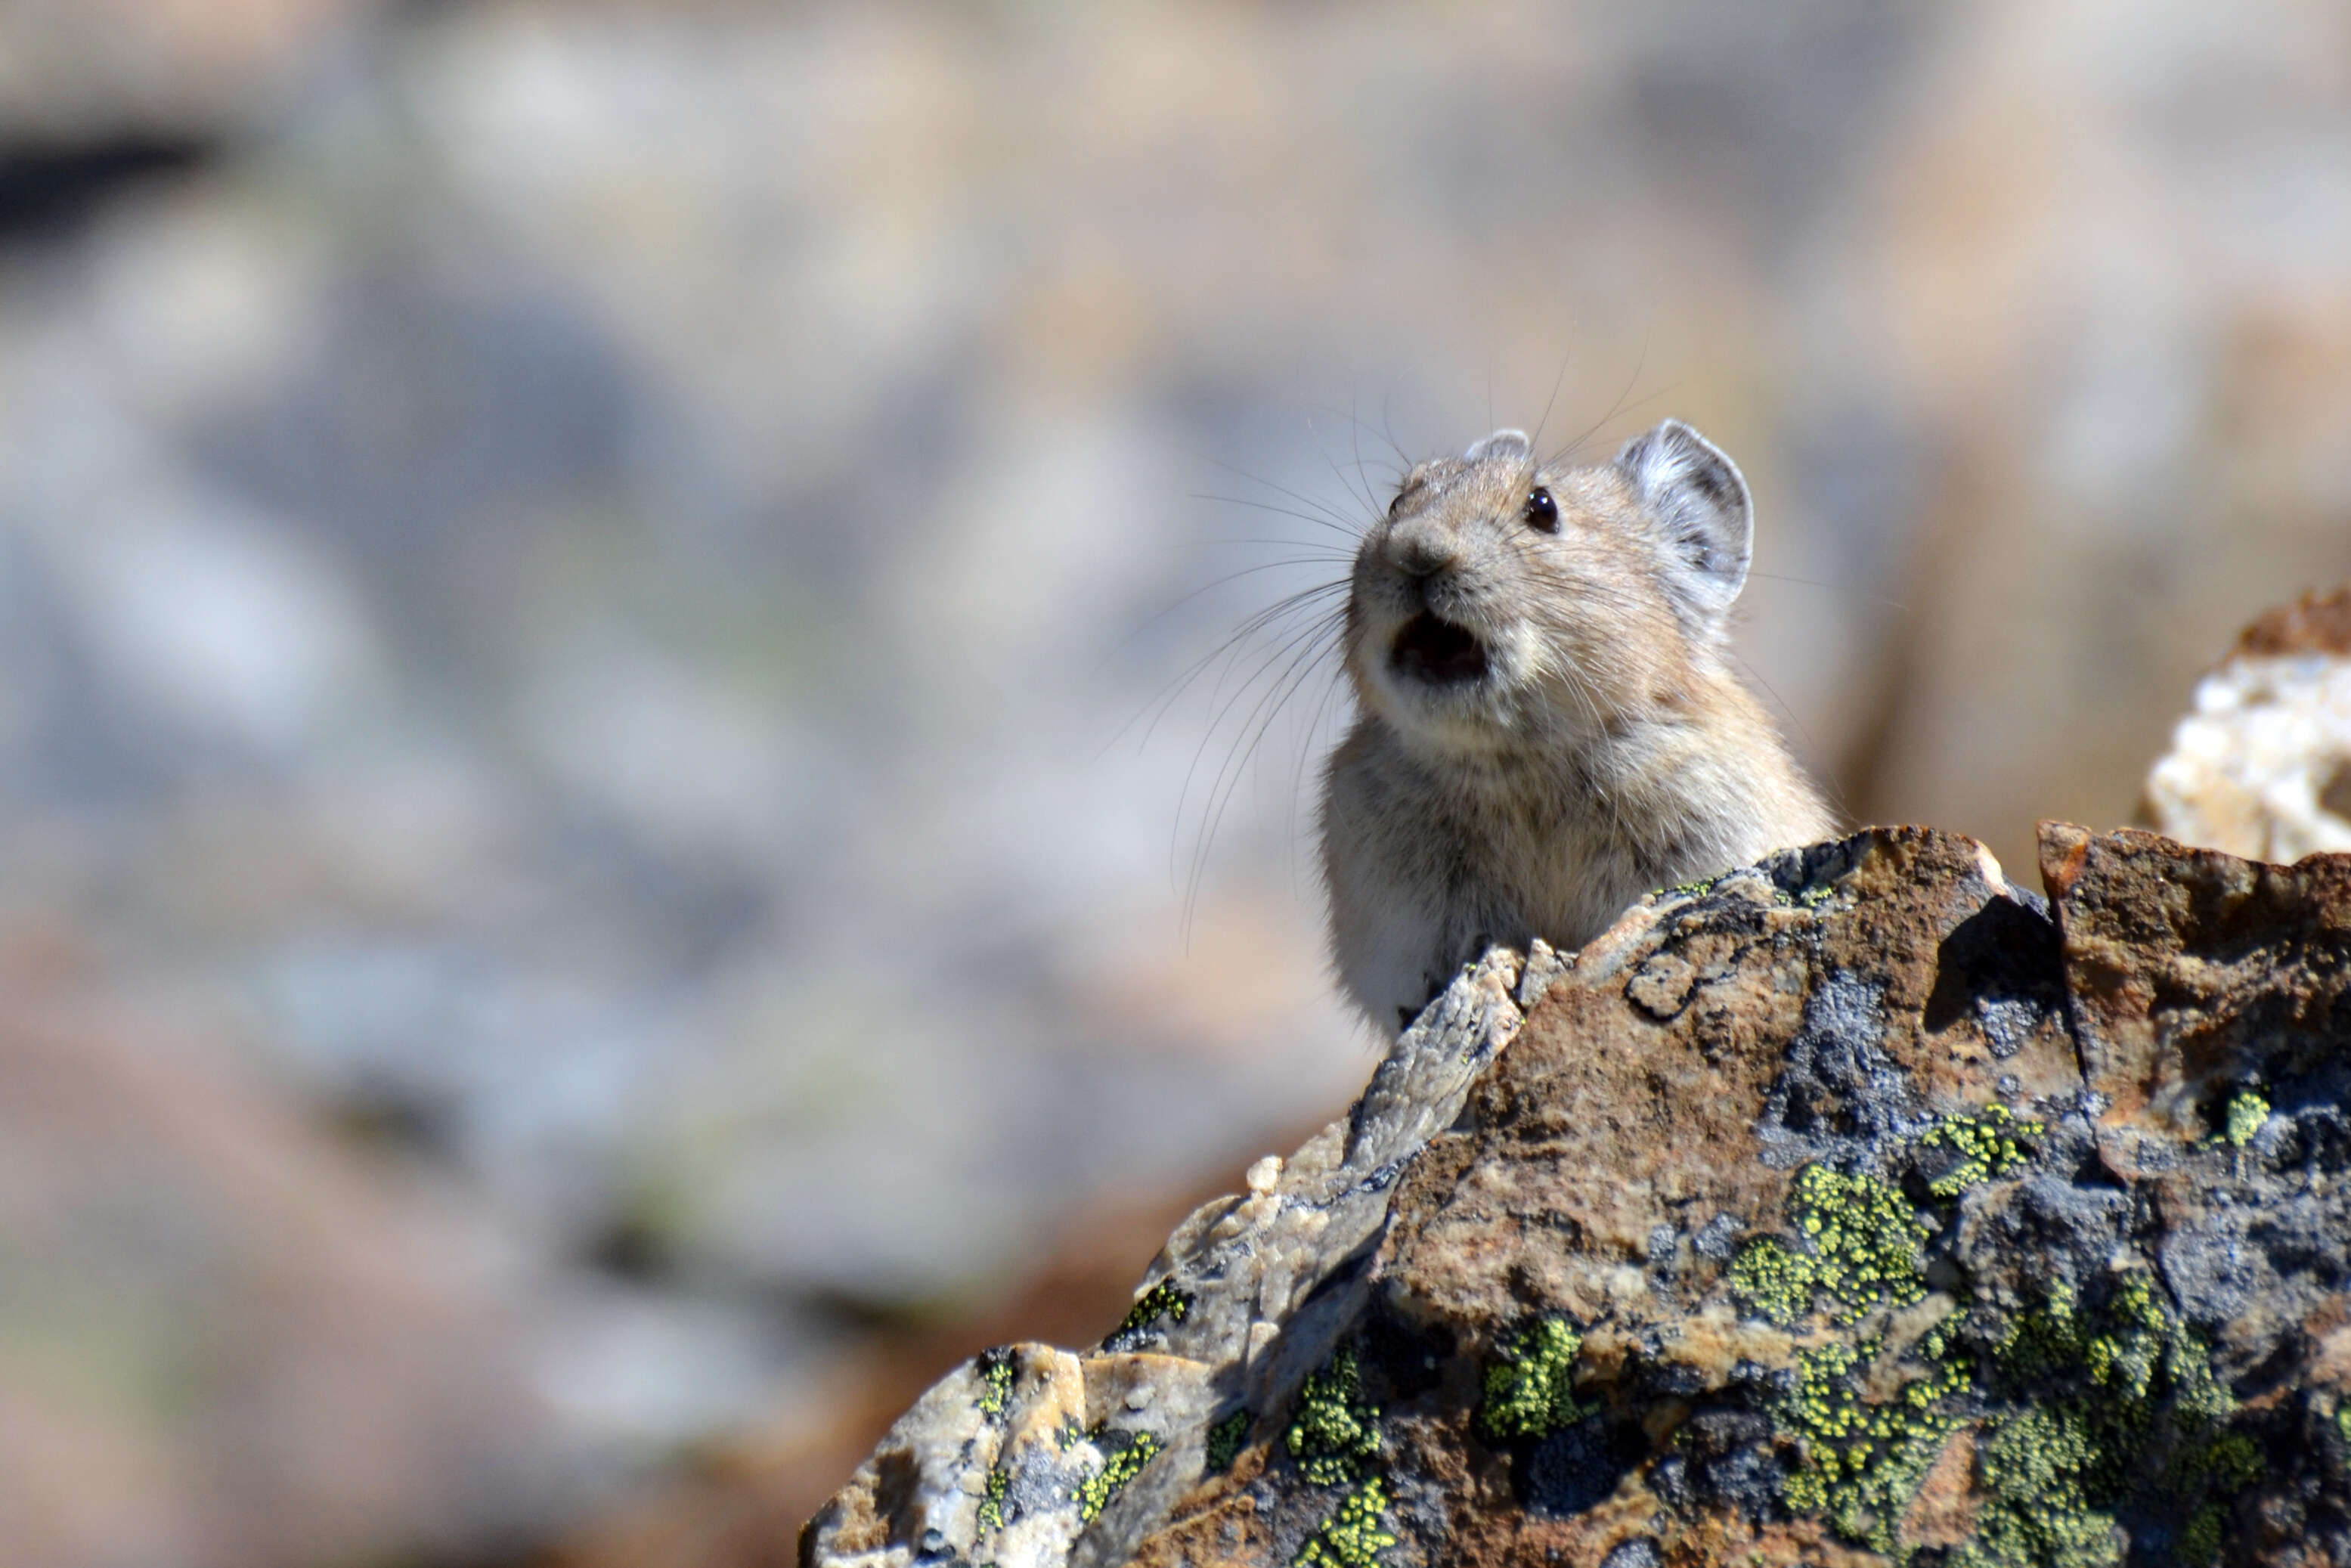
pixel 1335 518
pixel 1313 638
pixel 1312 643
pixel 1226 650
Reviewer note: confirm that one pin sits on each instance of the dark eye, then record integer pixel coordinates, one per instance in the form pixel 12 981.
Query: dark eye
pixel 1542 512
pixel 1397 504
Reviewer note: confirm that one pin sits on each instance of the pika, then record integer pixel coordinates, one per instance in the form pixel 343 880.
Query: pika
pixel 1546 724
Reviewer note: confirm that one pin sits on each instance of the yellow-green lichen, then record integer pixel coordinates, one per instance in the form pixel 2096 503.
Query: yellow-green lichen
pixel 995 1382
pixel 1335 1429
pixel 1773 1280
pixel 1990 1144
pixel 1860 1240
pixel 2091 1413
pixel 991 1506
pixel 2122 1351
pixel 1165 1300
pixel 2342 1426
pixel 1865 1238
pixel 1527 1392
pixel 2200 1543
pixel 2231 1462
pixel 2080 1417
pixel 1095 1492
pixel 2113 1409
pixel 1862 1460
pixel 1811 896
pixel 2043 1469
pixel 2246 1114
pixel 1353 1536
pixel 1225 1440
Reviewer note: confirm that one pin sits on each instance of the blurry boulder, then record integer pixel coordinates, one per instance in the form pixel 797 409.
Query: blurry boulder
pixel 2261 765
pixel 2107 257
pixel 81 72
pixel 1859 1207
pixel 227 1334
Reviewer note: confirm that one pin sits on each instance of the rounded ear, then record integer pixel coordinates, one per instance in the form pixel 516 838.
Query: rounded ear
pixel 1698 501
pixel 1510 444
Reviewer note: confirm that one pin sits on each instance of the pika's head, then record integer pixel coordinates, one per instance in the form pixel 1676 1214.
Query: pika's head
pixel 1500 597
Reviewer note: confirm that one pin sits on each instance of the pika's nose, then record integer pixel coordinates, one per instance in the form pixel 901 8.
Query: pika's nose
pixel 1423 550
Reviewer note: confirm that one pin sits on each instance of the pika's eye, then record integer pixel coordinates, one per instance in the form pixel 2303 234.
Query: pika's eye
pixel 1542 512
pixel 1397 504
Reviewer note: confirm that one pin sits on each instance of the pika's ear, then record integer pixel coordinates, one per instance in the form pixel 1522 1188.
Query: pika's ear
pixel 1511 444
pixel 1698 502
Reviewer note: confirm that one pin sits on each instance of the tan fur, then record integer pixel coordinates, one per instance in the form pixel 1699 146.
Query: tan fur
pixel 1607 749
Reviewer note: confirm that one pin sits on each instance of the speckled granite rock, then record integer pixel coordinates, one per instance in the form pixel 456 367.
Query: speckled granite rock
pixel 2262 764
pixel 1780 1225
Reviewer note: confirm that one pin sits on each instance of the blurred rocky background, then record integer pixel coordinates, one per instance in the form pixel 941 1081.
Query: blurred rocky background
pixel 608 861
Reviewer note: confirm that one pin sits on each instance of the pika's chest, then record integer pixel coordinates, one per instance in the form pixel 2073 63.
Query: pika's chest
pixel 1542 845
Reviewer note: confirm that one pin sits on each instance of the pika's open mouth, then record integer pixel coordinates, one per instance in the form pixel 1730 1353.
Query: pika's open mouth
pixel 1437 651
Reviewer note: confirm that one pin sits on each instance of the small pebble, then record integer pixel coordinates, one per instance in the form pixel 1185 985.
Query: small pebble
pixel 1263 1174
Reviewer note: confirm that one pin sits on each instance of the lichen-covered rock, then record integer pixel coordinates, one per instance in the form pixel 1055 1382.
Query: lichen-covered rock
pixel 1860 1206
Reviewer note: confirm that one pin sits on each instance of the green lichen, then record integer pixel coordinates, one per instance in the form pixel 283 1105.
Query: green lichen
pixel 2200 1543
pixel 1352 1537
pixel 991 1507
pixel 1069 1434
pixel 1335 1429
pixel 1865 1240
pixel 1165 1300
pixel 2232 1463
pixel 2122 1350
pixel 1811 896
pixel 1333 1436
pixel 1862 1460
pixel 1527 1390
pixel 2115 1408
pixel 995 1382
pixel 1991 1143
pixel 1225 1440
pixel 1095 1492
pixel 2090 1413
pixel 1698 889
pixel 2342 1426
pixel 2246 1114
pixel 2079 1416
pixel 1775 1281
pixel 1860 1240
pixel 2041 1468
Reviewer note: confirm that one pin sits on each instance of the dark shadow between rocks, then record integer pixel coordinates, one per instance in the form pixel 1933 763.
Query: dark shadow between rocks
pixel 1574 1469
pixel 2003 966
